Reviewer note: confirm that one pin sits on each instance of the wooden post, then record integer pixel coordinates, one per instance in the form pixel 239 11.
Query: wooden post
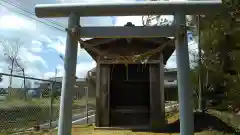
pixel 104 94
pixel 102 89
pixel 161 76
pixel 157 108
pixel 98 107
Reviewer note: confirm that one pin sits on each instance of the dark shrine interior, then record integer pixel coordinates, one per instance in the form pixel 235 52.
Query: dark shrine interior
pixel 129 94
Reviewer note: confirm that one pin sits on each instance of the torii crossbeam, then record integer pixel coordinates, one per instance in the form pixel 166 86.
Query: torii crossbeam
pixel 178 9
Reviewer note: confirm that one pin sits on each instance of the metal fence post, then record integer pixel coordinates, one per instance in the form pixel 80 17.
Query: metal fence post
pixel 86 96
pixel 51 105
pixel 184 91
pixel 69 78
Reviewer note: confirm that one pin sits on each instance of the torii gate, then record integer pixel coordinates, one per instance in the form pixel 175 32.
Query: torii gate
pixel 76 10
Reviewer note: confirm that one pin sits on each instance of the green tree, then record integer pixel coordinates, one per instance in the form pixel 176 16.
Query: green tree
pixel 220 53
pixel 220 56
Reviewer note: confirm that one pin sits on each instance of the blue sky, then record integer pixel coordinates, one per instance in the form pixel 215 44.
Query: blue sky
pixel 41 44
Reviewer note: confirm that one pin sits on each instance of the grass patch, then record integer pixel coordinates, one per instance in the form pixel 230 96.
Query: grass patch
pixel 91 131
pixel 229 118
pixel 14 103
pixel 16 114
pixel 173 121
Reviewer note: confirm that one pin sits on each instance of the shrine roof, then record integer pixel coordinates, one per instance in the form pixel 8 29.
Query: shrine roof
pixel 125 45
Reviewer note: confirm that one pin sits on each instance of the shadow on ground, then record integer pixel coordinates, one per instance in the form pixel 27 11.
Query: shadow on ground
pixel 202 122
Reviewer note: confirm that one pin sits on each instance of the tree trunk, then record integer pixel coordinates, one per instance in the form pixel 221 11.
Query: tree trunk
pixel 11 72
pixel 24 85
pixel 200 81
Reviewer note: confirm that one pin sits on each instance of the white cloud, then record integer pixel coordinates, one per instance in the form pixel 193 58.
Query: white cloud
pixel 172 63
pixel 38 37
pixel 136 20
pixel 28 57
pixel 15 22
pixel 45 38
pixel 60 48
pixel 16 82
pixel 28 60
pixel 5 82
pixel 36 46
pixel 81 70
pixel 16 26
pixel 48 75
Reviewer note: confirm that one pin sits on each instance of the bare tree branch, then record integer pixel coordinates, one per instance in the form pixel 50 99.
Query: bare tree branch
pixel 11 53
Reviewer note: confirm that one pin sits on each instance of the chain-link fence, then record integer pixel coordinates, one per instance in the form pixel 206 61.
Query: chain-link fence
pixel 33 104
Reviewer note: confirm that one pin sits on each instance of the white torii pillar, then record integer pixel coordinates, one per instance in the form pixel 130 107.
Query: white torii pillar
pixel 69 78
pixel 179 9
pixel 184 92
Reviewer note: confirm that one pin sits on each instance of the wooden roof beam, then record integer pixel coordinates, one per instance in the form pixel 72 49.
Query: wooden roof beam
pixel 101 42
pixel 128 62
